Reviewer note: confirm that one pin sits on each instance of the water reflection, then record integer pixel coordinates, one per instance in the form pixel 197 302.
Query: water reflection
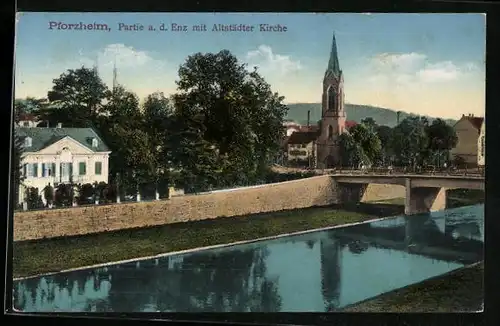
pixel 320 271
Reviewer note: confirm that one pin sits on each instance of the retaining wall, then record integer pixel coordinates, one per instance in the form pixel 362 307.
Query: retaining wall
pixel 315 191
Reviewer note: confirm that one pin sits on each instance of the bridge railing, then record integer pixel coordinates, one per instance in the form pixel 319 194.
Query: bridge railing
pixel 399 170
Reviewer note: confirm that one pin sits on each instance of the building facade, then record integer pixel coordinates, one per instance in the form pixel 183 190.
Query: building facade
pixel 61 155
pixel 333 116
pixel 302 149
pixel 467 129
pixel 481 145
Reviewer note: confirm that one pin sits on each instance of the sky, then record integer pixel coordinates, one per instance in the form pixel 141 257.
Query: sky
pixel 430 64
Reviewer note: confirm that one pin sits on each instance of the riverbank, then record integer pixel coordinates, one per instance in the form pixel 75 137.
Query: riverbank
pixel 458 291
pixel 52 255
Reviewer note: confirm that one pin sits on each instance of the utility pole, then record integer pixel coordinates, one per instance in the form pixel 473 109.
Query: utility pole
pixel 115 77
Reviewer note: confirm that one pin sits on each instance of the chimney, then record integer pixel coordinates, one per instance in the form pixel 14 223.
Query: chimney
pixel 308 117
pixel 59 125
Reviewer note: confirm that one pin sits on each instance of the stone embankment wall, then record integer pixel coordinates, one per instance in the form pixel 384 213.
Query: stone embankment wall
pixel 315 191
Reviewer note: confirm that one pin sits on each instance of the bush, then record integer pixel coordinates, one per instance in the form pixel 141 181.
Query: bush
pixel 85 194
pixel 64 195
pixel 101 191
pixel 48 193
pixel 33 199
pixel 147 190
pixel 109 193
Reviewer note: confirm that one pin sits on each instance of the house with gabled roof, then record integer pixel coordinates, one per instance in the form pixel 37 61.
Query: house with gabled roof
pixel 301 148
pixel 62 155
pixel 468 130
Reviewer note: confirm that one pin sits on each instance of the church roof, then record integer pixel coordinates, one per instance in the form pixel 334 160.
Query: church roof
pixel 333 63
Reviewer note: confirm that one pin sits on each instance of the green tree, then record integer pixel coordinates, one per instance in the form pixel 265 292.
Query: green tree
pixel 27 105
pixel 158 114
pixel 123 127
pixel 242 117
pixel 369 122
pixel 351 152
pixel 410 141
pixel 75 100
pixel 442 138
pixel 385 135
pixel 16 164
pixel 366 137
pixel 194 157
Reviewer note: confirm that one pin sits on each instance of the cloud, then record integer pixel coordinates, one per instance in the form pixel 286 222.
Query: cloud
pixel 399 62
pixel 124 56
pixel 442 71
pixel 269 62
pixel 415 69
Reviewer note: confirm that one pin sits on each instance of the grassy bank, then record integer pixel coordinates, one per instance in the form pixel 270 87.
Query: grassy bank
pixel 42 256
pixel 459 291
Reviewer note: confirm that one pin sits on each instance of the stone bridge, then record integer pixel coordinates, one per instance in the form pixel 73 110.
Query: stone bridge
pixel 424 193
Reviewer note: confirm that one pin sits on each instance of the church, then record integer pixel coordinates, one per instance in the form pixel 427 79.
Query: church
pixel 323 141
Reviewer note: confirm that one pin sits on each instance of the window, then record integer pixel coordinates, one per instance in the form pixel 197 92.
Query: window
pixel 48 169
pixel 31 170
pixel 27 142
pixel 66 169
pixel 82 168
pixel 331 98
pixel 98 168
pixel 94 143
pixel 330 132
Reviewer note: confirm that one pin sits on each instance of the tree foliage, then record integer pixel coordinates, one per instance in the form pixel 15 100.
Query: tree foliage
pixel 361 144
pixel 237 115
pixel 75 99
pixel 410 141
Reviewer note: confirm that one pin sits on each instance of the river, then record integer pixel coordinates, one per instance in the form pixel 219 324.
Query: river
pixel 313 272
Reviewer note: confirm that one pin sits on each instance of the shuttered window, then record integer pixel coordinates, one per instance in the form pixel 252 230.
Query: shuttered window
pixel 82 168
pixel 98 168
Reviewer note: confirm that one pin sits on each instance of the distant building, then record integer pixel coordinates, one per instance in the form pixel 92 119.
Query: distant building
pixel 302 148
pixel 481 149
pixel 60 155
pixel 468 130
pixel 27 120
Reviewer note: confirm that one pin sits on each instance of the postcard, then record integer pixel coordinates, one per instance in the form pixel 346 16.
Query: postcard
pixel 244 162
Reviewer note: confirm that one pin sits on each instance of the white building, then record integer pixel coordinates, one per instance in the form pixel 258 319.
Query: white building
pixel 481 149
pixel 27 120
pixel 59 155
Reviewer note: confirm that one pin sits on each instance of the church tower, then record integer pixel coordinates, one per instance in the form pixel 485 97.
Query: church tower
pixel 333 115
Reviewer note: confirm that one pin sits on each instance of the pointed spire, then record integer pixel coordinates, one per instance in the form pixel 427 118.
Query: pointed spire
pixel 333 63
pixel 96 64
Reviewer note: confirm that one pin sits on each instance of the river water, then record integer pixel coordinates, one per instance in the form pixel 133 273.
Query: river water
pixel 313 272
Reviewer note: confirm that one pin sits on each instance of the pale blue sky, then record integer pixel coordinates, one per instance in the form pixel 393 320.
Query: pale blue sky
pixel 422 63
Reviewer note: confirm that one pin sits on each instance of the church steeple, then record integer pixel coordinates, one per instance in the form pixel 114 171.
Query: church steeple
pixel 333 63
pixel 333 114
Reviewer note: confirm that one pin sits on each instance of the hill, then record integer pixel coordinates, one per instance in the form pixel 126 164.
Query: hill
pixel 355 112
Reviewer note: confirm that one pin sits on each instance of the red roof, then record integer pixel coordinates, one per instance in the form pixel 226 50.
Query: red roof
pixel 476 121
pixel 26 117
pixel 350 123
